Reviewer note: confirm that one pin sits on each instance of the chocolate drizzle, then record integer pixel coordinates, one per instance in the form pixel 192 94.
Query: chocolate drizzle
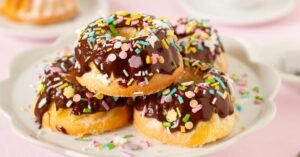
pixel 198 41
pixel 175 108
pixel 152 50
pixel 61 75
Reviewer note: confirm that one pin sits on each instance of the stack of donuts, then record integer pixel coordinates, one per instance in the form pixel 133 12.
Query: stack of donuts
pixel 168 79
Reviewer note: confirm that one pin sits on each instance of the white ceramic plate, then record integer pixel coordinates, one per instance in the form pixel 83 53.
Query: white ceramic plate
pixel 15 93
pixel 212 9
pixel 88 10
pixel 280 50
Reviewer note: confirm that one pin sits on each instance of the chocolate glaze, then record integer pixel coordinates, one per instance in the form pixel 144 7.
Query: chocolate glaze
pixel 201 37
pixel 152 106
pixel 61 72
pixel 95 46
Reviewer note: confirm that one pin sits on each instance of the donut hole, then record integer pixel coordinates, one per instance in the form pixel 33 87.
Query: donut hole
pixel 127 32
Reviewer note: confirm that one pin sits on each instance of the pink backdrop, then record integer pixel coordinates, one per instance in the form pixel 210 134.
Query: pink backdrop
pixel 280 138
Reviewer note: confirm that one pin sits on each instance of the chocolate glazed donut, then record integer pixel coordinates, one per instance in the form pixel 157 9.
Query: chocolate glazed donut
pixel 200 44
pixel 136 54
pixel 188 113
pixel 61 93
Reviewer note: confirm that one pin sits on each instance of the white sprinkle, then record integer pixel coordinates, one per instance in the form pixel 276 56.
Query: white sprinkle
pixel 125 73
pixel 42 103
pixel 187 83
pixel 204 92
pixel 69 103
pixel 138 93
pixel 214 100
pixel 56 79
pixel 101 66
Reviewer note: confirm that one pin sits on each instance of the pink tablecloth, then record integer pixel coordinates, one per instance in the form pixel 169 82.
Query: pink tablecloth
pixel 280 138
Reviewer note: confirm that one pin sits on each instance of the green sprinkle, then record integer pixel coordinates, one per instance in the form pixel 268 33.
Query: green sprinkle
pixel 113 30
pixel 255 89
pixel 259 97
pixel 182 88
pixel 186 63
pixel 186 118
pixel 109 146
pixel 87 110
pixel 166 124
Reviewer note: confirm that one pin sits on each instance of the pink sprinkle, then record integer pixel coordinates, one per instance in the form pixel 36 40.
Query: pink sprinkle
pixel 126 154
pixel 76 98
pixel 142 83
pixel 123 55
pixel 95 143
pixel 162 100
pixel 120 19
pixel 148 144
pixel 197 108
pixel 198 31
pixel 111 57
pixel 104 104
pixel 88 94
pixel 135 61
pixel 180 29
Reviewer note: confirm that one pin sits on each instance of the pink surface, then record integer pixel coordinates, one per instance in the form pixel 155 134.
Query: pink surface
pixel 280 138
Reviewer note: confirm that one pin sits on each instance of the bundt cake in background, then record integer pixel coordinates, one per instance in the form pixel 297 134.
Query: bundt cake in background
pixel 39 12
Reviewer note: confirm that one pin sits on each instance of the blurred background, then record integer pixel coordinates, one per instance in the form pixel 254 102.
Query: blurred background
pixel 270 29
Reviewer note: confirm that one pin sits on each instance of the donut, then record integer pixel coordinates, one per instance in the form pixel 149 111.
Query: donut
pixel 39 12
pixel 187 113
pixel 127 55
pixel 65 106
pixel 200 45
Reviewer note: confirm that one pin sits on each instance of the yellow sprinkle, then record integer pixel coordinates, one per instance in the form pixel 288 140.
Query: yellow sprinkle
pixel 139 46
pixel 182 129
pixel 69 92
pixel 148 60
pixel 128 22
pixel 170 32
pixel 215 84
pixel 99 96
pixel 165 44
pixel 166 91
pixel 42 88
pixel 136 15
pixel 161 59
pixel 194 50
pixel 225 95
pixel 100 147
pixel 63 86
pixel 109 49
pixel 196 71
pixel 122 13
pixel 130 82
pixel 205 36
pixel 178 112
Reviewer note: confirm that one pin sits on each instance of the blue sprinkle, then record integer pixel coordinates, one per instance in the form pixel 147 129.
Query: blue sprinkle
pixel 180 100
pixel 220 93
pixel 137 51
pixel 159 93
pixel 221 82
pixel 110 20
pixel 144 43
pixel 183 43
pixel 172 91
pixel 239 108
pixel 115 98
pixel 200 48
pixel 107 36
pixel 211 91
pixel 246 96
pixel 172 43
